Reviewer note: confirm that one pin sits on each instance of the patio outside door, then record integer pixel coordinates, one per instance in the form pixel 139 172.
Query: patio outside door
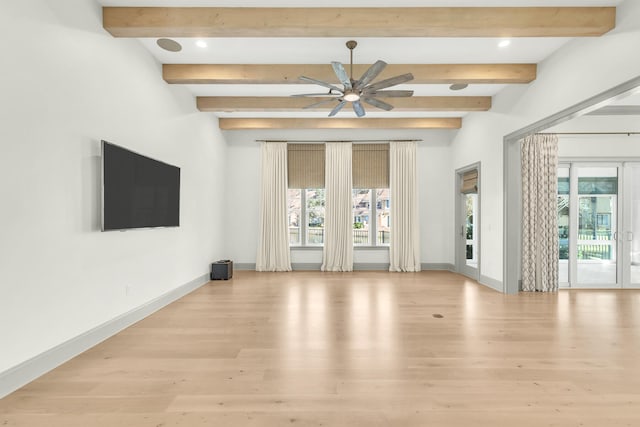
pixel 588 223
pixel 468 222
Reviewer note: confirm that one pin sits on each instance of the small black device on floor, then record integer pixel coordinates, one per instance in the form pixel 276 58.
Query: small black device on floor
pixel 222 270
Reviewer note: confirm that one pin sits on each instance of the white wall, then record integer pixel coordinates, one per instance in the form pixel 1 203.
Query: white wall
pixel 579 70
pixel 66 84
pixel 608 146
pixel 435 176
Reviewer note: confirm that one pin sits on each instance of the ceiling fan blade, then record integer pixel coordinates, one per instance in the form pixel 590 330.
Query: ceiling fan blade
pixel 338 108
pixel 317 95
pixel 389 93
pixel 390 82
pixel 370 74
pixel 358 108
pixel 320 82
pixel 378 104
pixel 317 104
pixel 342 74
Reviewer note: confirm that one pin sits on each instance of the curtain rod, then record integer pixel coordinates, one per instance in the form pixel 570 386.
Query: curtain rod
pixel 589 133
pixel 338 140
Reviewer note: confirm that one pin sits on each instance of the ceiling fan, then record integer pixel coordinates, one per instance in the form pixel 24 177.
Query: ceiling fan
pixel 355 91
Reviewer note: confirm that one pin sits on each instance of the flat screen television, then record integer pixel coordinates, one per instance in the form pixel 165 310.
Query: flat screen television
pixel 137 191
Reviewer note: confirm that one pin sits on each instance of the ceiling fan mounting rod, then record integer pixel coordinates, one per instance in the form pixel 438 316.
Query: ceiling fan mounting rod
pixel 351 44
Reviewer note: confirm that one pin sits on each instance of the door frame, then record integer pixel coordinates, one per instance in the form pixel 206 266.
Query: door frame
pixel 512 185
pixel 626 214
pixel 460 257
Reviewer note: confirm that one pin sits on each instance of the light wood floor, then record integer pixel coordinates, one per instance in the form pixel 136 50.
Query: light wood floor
pixel 354 349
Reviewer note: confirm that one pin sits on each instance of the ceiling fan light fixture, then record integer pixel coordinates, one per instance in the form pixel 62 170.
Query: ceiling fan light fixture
pixel 351 96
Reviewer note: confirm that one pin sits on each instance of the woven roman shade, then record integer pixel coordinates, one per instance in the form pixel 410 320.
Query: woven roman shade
pixel 469 182
pixel 305 163
pixel 370 165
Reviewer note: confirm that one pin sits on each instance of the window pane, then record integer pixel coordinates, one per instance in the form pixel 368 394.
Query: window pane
pixel 471 231
pixel 597 210
pixel 295 213
pixel 315 216
pixel 361 215
pixel 383 223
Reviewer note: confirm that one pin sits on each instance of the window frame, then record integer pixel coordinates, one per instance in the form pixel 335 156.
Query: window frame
pixel 373 221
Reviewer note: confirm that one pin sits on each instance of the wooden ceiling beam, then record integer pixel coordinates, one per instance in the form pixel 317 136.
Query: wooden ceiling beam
pixel 289 73
pixel 338 123
pixel 290 104
pixel 358 22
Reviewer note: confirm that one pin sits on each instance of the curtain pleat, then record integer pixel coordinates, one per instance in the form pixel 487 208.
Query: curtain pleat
pixel 273 247
pixel 404 251
pixel 337 253
pixel 539 161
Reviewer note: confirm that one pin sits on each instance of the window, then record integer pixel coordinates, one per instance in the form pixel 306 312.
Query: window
pixel 383 224
pixel 306 216
pixel 371 217
pixel 295 217
pixel 306 197
pixel 361 214
pixel 315 216
pixel 371 225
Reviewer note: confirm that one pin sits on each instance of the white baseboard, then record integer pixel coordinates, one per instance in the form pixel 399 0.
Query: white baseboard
pixel 244 266
pixel 311 266
pixel 491 283
pixel 306 266
pixel 27 371
pixel 437 266
pixel 369 266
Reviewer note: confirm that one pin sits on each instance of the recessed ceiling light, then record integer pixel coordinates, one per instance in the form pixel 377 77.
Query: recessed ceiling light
pixel 458 86
pixel 504 43
pixel 201 43
pixel 170 45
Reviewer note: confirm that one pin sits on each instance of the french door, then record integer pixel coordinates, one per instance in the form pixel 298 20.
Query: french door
pixel 468 221
pixel 599 225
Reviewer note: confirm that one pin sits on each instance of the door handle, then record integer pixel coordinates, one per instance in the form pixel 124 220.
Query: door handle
pixel 615 235
pixel 629 236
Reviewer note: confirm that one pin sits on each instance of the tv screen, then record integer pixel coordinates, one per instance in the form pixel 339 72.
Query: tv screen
pixel 138 192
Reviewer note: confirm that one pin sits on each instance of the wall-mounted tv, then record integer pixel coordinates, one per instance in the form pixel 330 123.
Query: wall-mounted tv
pixel 137 191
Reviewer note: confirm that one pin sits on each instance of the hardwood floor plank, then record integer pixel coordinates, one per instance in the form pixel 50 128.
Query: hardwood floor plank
pixel 354 349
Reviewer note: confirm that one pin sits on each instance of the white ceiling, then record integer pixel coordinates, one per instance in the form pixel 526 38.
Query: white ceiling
pixel 325 50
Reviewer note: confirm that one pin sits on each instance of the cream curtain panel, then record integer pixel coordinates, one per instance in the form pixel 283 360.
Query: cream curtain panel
pixel 539 158
pixel 337 253
pixel 273 246
pixel 404 252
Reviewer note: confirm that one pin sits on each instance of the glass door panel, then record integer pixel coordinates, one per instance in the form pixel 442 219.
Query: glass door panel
pixel 633 234
pixel 596 258
pixel 471 206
